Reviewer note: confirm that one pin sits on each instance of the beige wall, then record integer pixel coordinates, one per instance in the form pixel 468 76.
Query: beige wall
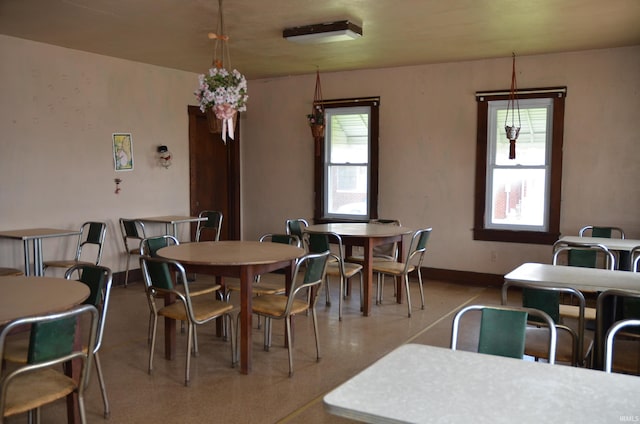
pixel 59 108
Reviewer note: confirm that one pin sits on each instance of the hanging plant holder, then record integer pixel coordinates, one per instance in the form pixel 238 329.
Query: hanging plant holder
pixel 216 124
pixel 222 93
pixel 513 105
pixel 316 117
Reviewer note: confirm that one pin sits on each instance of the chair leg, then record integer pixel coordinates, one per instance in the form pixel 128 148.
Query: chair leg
pixel 195 341
pixel 103 388
pixel 406 287
pixel 126 272
pixel 342 286
pixel 315 331
pixel 153 342
pixel 189 347
pixel 421 288
pixel 289 346
pixel 267 333
pixel 327 294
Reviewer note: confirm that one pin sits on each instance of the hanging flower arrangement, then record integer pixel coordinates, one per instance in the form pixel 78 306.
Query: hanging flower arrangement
pixel 224 93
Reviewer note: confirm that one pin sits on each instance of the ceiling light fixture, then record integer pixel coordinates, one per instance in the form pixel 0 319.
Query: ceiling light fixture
pixel 323 33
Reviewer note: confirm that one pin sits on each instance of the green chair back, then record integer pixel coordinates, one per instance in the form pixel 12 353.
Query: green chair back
pixel 95 279
pixel 296 227
pixel 156 243
pixel 582 258
pixel 95 232
pixel 543 300
pixel 502 332
pixel 160 275
pixel 130 228
pixel 318 243
pixel 314 269
pixel 51 339
pixel 604 232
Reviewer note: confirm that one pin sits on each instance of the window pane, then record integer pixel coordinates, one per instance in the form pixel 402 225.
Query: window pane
pixel 347 190
pixel 531 142
pixel 518 197
pixel 349 136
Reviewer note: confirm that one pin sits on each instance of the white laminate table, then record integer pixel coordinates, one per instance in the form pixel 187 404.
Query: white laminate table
pixel 625 245
pixel 172 221
pixel 588 280
pixel 35 235
pixel 427 384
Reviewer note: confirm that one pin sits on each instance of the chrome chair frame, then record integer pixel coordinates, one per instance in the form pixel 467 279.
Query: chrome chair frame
pixel 417 248
pixel 85 355
pixel 197 310
pixel 544 316
pixel 578 351
pixel 91 233
pixel 131 229
pixel 337 265
pixel 611 334
pixel 303 279
pixel 213 223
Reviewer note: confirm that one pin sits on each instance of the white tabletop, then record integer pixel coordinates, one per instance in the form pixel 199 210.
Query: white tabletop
pixel 610 243
pixel 427 384
pixel 583 279
pixel 37 233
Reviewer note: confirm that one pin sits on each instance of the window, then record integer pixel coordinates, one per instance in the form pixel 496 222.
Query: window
pixel 518 200
pixel 347 161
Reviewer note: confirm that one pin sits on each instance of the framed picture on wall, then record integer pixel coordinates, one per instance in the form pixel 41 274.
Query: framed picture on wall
pixel 122 152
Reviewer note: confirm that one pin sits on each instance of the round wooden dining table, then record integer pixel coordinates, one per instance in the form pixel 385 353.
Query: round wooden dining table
pixel 232 258
pixel 367 235
pixel 27 296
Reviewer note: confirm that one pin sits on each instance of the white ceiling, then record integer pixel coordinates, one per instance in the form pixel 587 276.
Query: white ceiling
pixel 173 33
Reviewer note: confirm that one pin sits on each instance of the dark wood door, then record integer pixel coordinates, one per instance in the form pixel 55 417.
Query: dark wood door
pixel 214 170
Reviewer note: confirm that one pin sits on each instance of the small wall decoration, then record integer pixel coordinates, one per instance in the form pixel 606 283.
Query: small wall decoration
pixel 122 152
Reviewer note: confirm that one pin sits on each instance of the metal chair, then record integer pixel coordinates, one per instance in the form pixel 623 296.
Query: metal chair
pixel 573 346
pixel 91 234
pixel 52 343
pixel 336 267
pixel 385 251
pixel 607 232
pixel 615 306
pixel 98 279
pixel 194 310
pixel 283 307
pixel 296 227
pixel 623 260
pixel 611 334
pixel 213 225
pixel 503 330
pixel 274 283
pixel 413 261
pixel 586 255
pixel 132 231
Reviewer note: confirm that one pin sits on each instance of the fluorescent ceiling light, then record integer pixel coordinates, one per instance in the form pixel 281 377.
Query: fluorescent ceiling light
pixel 323 33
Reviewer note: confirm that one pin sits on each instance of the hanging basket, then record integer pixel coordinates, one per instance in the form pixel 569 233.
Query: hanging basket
pixel 215 124
pixel 316 117
pixel 317 130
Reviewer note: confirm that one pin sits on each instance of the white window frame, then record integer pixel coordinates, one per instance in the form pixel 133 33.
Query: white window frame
pixel 329 113
pixel 492 137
